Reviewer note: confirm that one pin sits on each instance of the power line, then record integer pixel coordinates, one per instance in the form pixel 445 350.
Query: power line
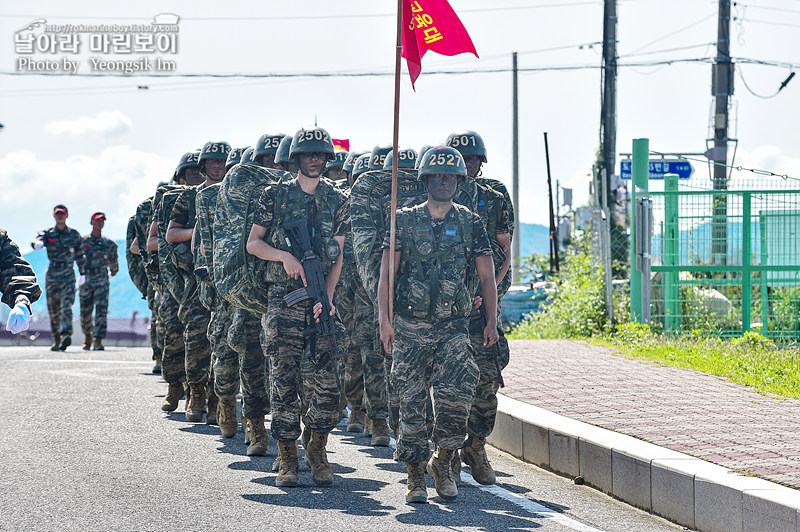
pixel 766 62
pixel 312 17
pixel 740 168
pixel 751 91
pixel 769 22
pixel 688 26
pixel 679 48
pixel 766 8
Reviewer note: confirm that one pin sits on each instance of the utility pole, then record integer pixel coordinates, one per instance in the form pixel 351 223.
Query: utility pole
pixel 515 258
pixel 554 266
pixel 722 90
pixel 608 114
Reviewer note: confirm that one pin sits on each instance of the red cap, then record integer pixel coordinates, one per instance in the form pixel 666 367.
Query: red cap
pixel 98 216
pixel 60 208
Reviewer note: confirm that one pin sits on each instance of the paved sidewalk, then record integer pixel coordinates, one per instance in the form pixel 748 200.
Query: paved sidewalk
pixel 683 410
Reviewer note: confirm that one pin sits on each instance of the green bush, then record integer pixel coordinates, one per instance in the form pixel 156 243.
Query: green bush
pixel 576 310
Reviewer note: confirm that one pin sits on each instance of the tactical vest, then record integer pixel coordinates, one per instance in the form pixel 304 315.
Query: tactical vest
pixel 291 204
pixel 436 279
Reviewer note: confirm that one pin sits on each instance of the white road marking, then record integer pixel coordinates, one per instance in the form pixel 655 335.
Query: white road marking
pixel 532 507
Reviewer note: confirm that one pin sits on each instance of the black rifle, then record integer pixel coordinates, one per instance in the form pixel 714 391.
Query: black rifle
pixel 315 290
pixel 495 347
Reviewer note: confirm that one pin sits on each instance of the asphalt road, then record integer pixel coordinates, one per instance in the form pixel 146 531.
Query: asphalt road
pixel 85 446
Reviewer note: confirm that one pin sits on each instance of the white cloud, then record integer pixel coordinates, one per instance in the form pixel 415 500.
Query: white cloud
pixel 114 182
pixel 109 124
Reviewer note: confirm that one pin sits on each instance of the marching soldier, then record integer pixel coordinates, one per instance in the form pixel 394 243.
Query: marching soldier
pixel 496 210
pixel 323 208
pixel 101 256
pixel 64 246
pixel 441 254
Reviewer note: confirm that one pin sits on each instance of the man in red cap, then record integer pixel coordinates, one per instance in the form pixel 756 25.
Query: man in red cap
pixel 64 246
pixel 101 256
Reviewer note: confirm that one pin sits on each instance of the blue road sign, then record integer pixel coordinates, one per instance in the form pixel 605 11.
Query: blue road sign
pixel 658 168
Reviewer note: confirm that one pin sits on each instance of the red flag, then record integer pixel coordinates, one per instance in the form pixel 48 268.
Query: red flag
pixel 432 25
pixel 341 144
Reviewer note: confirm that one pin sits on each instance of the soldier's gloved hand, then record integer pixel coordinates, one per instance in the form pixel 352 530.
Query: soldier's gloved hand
pixel 38 245
pixel 19 319
pixel 81 280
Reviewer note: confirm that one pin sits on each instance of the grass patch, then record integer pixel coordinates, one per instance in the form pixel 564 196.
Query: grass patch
pixel 751 360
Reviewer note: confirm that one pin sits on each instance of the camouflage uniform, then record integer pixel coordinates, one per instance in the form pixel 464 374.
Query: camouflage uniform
pixel 17 280
pixel 327 213
pixel 351 372
pixel 136 269
pixel 435 285
pixel 194 316
pixel 63 248
pixel 493 211
pixel 101 256
pixel 173 368
pixel 244 337
pixel 141 224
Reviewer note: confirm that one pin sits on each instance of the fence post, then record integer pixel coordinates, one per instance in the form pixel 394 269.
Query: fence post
pixel 671 253
pixel 640 176
pixel 747 253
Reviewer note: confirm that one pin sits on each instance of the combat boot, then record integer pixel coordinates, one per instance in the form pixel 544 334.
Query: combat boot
pixel 288 473
pixel 258 437
pixel 416 490
pixel 157 366
pixel 368 427
pixel 439 467
pixel 455 466
pixel 227 417
pixel 65 342
pixel 356 421
pixel 174 394
pixel 56 342
pixel 305 437
pixel 474 454
pixel 98 344
pixel 196 404
pixel 87 342
pixel 380 433
pixel 321 470
pixel 213 404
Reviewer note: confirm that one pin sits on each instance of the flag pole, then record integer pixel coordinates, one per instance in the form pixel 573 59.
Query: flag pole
pixel 393 217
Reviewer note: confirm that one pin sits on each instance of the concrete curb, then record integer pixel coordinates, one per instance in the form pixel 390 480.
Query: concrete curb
pixel 683 489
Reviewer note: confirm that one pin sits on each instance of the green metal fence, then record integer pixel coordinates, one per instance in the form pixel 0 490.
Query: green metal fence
pixel 726 274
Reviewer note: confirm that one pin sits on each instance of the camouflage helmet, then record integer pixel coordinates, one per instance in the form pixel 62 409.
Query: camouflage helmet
pixel 267 143
pixel 422 152
pixel 378 157
pixel 442 160
pixel 315 140
pixel 361 165
pixel 234 157
pixel 247 156
pixel 351 161
pixel 282 155
pixel 187 160
pixel 214 150
pixel 468 143
pixel 407 157
pixel 339 157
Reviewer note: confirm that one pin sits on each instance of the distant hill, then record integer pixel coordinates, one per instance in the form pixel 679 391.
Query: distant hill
pixel 125 299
